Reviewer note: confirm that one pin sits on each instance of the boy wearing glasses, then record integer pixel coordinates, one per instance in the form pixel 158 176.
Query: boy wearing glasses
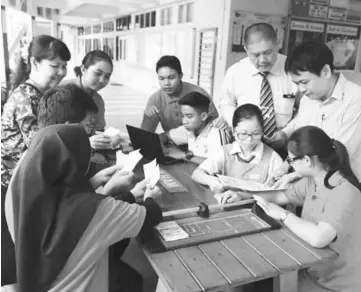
pixel 204 137
pixel 247 158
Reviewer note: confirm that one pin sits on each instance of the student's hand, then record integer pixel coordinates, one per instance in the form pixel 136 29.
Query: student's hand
pixel 119 182
pixel 175 153
pixel 139 189
pixel 277 175
pixel 152 192
pixel 228 197
pixel 98 158
pixel 151 111
pixel 216 186
pixel 285 180
pixel 270 209
pixel 105 174
pixel 100 141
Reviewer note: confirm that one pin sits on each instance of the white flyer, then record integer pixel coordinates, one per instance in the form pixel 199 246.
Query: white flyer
pixel 152 172
pixel 128 161
pixel 171 231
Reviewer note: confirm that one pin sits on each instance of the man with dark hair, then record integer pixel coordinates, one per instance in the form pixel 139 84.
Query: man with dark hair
pixel 330 101
pixel 163 107
pixel 259 79
pixel 67 104
pixel 203 137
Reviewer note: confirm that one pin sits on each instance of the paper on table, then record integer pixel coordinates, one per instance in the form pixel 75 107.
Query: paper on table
pixel 152 172
pixel 111 132
pixel 129 161
pixel 245 185
pixel 171 231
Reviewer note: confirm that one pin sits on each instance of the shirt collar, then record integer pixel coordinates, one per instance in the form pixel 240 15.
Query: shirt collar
pixel 257 152
pixel 276 69
pixel 339 89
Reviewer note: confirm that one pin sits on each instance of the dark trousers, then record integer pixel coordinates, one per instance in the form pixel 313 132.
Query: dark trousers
pixel 122 277
pixel 8 267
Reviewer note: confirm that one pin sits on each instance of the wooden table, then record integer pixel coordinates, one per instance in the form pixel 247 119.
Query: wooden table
pixel 232 262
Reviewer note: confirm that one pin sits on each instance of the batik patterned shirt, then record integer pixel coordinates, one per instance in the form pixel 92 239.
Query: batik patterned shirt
pixel 18 125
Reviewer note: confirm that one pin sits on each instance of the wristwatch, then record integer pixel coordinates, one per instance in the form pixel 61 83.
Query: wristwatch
pixel 188 155
pixel 284 216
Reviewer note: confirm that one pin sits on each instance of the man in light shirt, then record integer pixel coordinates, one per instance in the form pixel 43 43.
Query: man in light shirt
pixel 330 101
pixel 259 75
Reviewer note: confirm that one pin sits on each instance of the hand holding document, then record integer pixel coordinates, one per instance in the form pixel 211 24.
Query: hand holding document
pixel 111 132
pixel 129 161
pixel 152 173
pixel 232 183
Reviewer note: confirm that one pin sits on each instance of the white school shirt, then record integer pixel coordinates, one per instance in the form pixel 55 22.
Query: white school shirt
pixel 214 164
pixel 242 84
pixel 339 116
pixel 206 143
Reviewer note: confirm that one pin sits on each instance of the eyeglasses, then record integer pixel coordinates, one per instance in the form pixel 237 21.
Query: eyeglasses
pixel 244 136
pixel 292 160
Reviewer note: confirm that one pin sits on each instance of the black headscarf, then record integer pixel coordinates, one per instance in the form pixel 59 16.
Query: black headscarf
pixel 53 204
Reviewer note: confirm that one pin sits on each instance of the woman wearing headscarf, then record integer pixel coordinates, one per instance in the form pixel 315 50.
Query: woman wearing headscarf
pixel 62 229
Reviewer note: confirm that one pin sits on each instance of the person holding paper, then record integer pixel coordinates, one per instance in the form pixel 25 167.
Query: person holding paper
pixel 330 102
pixel 247 158
pixel 92 76
pixel 204 137
pixel 63 225
pixel 163 107
pixel 330 194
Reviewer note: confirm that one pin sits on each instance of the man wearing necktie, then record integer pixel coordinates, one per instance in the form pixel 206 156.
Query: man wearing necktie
pixel 259 79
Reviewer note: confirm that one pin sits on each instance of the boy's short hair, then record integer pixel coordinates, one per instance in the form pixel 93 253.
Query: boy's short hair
pixel 169 61
pixel 65 103
pixel 197 100
pixel 309 56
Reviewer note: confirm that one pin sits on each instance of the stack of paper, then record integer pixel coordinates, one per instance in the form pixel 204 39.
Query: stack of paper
pixel 152 173
pixel 128 161
pixel 171 231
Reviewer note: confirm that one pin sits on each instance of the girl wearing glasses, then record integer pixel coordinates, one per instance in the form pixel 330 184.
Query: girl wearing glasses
pixel 330 194
pixel 247 158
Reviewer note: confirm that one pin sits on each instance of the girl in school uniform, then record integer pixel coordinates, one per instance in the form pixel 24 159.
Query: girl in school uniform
pixel 62 229
pixel 330 194
pixel 247 158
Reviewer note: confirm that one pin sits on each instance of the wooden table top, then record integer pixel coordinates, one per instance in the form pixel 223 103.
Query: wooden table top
pixel 231 262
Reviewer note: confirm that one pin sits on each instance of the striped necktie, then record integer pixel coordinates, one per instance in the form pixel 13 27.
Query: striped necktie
pixel 267 106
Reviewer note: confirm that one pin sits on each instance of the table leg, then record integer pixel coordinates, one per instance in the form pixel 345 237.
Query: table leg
pixel 286 282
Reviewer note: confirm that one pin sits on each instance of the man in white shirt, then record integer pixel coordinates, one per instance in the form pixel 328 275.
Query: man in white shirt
pixel 259 75
pixel 330 101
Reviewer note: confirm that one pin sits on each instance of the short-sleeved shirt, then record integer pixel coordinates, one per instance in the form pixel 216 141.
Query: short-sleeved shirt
pixel 242 84
pixel 18 125
pixel 208 141
pixel 169 110
pixel 99 101
pixel 215 164
pixel 339 207
pixel 339 116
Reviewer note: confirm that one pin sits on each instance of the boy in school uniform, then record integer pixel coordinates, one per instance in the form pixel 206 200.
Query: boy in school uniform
pixel 204 137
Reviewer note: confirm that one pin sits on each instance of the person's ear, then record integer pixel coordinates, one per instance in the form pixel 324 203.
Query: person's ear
pixel 204 116
pixel 82 69
pixel 326 72
pixel 308 160
pixel 33 63
pixel 180 76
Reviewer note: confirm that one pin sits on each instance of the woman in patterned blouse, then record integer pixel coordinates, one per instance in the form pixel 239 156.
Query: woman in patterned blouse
pixel 47 62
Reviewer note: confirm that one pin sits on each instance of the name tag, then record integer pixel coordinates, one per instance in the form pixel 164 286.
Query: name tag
pixel 290 95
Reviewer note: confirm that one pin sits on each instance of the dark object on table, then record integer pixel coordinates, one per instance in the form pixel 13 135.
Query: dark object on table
pixel 203 210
